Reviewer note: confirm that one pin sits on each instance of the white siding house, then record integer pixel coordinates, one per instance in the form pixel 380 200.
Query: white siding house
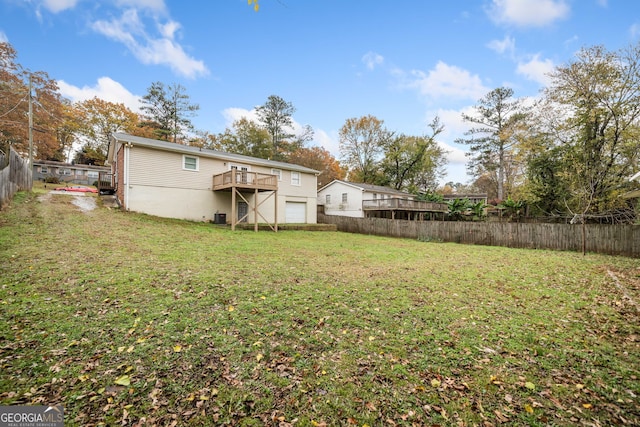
pixel 177 181
pixel 345 198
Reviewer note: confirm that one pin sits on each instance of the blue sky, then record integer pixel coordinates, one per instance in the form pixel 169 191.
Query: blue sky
pixel 399 60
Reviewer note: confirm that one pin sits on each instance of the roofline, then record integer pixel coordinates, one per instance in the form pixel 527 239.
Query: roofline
pixel 357 185
pixel 187 149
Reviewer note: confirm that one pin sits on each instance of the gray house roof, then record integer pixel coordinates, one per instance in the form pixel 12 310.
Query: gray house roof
pixel 372 188
pixel 203 152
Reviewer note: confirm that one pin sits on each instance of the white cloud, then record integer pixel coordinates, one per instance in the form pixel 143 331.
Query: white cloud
pixel 454 128
pixel 634 30
pixel 371 59
pixel 153 5
pixel 506 45
pixel 444 81
pixel 536 69
pixel 3 38
pixel 56 6
pixel 163 50
pixel 528 13
pixel 106 89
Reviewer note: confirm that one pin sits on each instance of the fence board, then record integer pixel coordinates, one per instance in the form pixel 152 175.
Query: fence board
pixel 606 239
pixel 15 176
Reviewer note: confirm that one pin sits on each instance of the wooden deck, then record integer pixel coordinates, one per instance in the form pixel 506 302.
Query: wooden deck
pixel 106 183
pixel 403 205
pixel 244 180
pixel 242 183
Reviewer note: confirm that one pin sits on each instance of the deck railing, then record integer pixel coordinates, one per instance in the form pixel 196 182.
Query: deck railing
pixel 403 204
pixel 106 182
pixel 245 179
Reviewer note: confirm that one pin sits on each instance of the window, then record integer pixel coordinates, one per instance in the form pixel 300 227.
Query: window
pixel 79 172
pixel 278 173
pixel 375 196
pixel 65 171
pixel 327 199
pixel 92 174
pixel 295 178
pixel 344 197
pixel 44 169
pixel 190 163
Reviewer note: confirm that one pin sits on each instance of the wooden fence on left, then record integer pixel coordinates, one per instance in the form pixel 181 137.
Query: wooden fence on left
pixel 15 175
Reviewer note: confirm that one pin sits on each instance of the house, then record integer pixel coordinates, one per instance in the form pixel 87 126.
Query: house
pixel 67 172
pixel 178 181
pixel 368 201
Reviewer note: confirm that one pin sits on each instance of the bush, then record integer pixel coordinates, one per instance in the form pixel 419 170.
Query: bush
pixel 52 180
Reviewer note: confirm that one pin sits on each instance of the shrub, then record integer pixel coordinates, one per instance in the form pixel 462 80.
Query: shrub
pixel 52 180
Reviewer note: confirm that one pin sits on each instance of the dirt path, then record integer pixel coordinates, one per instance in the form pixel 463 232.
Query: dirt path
pixel 80 200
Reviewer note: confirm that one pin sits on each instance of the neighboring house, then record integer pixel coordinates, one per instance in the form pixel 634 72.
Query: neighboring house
pixel 67 172
pixel 365 200
pixel 178 181
pixel 345 198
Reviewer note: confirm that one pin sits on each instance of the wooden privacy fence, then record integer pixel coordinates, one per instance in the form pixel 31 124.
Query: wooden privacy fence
pixel 605 239
pixel 15 175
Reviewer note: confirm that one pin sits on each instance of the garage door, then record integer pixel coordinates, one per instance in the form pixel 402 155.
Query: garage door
pixel 295 212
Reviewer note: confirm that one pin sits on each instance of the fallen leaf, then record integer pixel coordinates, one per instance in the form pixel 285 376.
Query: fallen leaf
pixel 435 383
pixel 587 405
pixel 177 348
pixel 123 380
pixel 259 357
pixel 528 408
pixel 530 385
pixel 231 308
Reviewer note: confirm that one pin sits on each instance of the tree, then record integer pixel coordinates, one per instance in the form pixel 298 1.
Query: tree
pixel 596 111
pixel 245 137
pixel 98 119
pixel 168 110
pixel 275 115
pixel 47 108
pixel 499 121
pixel 361 145
pixel 414 163
pixel 321 160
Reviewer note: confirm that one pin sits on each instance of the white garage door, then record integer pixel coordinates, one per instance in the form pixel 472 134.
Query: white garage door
pixel 295 212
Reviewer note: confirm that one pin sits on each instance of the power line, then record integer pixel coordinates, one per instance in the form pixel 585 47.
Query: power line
pixel 16 106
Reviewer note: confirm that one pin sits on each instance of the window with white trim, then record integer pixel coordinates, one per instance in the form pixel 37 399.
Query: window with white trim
pixel 44 169
pixel 190 163
pixel 344 197
pixel 295 178
pixel 278 173
pixel 327 199
pixel 92 174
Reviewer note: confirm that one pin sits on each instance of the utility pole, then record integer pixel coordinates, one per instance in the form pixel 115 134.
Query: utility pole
pixel 30 126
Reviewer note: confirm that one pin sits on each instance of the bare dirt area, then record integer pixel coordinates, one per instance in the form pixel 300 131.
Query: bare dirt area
pixel 80 200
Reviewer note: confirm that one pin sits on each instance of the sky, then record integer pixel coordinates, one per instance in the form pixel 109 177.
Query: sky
pixel 404 62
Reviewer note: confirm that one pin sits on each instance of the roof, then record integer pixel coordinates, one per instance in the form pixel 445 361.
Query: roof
pixel 68 165
pixel 203 152
pixel 370 187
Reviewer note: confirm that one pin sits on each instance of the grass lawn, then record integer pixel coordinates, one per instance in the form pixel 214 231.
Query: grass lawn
pixel 127 319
